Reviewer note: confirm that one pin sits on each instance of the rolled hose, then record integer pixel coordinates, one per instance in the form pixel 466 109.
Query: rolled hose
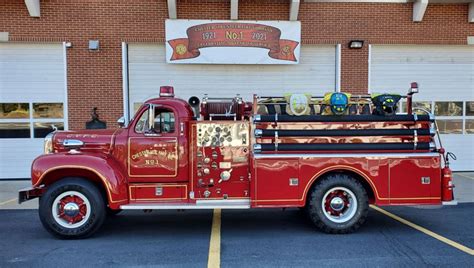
pixel 340 146
pixel 343 132
pixel 344 118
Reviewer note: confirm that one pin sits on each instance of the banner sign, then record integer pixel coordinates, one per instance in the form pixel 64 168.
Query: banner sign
pixel 233 42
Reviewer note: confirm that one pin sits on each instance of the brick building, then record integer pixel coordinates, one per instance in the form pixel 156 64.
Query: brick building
pixel 50 76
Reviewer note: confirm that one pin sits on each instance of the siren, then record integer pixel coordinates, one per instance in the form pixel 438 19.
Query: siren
pixel 194 103
pixel 167 91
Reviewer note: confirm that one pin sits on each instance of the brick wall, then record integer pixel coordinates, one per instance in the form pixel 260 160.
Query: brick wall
pixel 95 78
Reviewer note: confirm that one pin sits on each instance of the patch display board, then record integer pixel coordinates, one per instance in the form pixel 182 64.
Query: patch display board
pixel 232 42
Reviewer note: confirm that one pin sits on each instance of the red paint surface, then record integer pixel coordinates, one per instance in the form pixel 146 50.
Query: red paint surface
pixel 114 159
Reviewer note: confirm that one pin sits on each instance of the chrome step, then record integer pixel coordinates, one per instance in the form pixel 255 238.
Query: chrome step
pixel 450 203
pixel 200 204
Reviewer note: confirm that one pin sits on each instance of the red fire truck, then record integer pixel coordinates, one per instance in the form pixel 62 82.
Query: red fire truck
pixel 331 158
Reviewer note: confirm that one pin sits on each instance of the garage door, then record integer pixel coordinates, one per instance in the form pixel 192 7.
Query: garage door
pixel 446 78
pixel 148 69
pixel 32 103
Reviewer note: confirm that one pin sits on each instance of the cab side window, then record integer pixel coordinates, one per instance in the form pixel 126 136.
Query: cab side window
pixel 164 121
pixel 141 126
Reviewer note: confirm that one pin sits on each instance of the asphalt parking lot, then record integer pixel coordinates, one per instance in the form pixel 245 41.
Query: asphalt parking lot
pixel 246 238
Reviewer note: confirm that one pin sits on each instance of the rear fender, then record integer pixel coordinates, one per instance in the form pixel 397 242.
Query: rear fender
pixel 97 167
pixel 363 178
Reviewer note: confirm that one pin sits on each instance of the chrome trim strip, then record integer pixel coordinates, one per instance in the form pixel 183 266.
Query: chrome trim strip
pixel 200 204
pixel 361 155
pixel 72 144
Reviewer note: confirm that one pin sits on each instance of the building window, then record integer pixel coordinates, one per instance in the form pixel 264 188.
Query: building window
pixel 448 108
pixel 14 111
pixel 48 110
pixel 44 128
pixel 419 107
pixel 30 120
pixel 452 117
pixel 449 126
pixel 469 126
pixel 14 130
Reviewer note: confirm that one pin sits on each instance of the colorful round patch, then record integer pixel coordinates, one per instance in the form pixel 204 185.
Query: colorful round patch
pixel 181 49
pixel 286 49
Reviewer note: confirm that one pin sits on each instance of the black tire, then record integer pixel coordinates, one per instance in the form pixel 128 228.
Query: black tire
pixel 323 219
pixel 87 226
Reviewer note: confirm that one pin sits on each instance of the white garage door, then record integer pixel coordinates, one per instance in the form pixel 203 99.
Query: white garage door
pixel 446 79
pixel 32 100
pixel 148 70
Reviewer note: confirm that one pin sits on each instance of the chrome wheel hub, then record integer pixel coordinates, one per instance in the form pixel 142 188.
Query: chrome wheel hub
pixel 71 209
pixel 337 203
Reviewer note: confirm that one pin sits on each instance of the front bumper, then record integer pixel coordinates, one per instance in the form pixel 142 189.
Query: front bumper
pixel 29 193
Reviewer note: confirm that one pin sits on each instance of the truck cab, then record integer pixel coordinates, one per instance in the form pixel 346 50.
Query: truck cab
pixel 228 153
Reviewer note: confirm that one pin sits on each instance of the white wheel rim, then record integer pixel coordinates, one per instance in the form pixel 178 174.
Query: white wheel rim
pixel 339 204
pixel 64 217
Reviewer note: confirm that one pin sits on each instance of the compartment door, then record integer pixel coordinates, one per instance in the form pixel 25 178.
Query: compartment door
pixel 277 181
pixel 411 180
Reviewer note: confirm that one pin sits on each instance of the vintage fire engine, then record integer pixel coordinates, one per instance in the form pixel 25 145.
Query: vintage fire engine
pixel 330 156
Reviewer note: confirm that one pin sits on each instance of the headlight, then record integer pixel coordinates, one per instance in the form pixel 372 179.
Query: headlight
pixel 48 143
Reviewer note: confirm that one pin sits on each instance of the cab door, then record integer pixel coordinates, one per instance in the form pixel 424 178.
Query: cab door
pixel 154 151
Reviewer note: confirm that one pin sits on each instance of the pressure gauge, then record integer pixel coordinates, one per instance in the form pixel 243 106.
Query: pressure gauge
pixel 225 175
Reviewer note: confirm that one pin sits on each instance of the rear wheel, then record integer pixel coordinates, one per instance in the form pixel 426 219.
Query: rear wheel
pixel 338 204
pixel 72 208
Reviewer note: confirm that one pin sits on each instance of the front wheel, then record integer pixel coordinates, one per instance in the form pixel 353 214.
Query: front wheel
pixel 72 208
pixel 338 204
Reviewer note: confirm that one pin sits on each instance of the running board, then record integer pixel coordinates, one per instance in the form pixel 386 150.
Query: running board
pixel 200 204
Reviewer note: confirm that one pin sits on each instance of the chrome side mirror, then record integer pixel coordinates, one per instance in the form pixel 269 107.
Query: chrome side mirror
pixel 121 121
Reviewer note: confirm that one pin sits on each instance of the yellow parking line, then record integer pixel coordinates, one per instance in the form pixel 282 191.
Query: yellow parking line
pixel 8 201
pixel 214 260
pixel 465 176
pixel 426 231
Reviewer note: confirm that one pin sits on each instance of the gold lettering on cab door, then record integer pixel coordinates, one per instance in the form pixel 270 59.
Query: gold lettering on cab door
pixel 153 157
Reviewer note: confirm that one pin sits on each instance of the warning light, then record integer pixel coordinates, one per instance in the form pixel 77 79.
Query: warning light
pixel 166 91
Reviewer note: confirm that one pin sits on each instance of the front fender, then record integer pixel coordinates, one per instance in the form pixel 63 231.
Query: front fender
pixel 52 167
